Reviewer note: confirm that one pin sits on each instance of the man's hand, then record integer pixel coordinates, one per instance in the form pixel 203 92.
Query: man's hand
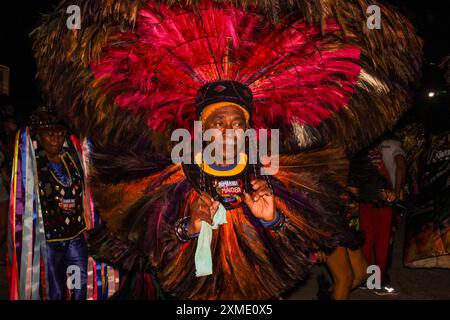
pixel 388 195
pixel 321 256
pixel 353 190
pixel 203 208
pixel 262 201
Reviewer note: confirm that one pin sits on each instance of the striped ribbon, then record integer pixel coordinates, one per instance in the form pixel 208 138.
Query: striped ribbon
pixel 103 280
pixel 12 269
pixel 40 253
pixel 26 237
pixel 27 241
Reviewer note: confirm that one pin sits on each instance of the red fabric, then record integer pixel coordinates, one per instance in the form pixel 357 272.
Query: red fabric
pixel 43 282
pixel 150 290
pixel 12 267
pixel 376 225
pixel 76 142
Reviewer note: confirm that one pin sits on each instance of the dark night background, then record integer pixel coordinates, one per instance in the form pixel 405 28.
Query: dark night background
pixel 18 19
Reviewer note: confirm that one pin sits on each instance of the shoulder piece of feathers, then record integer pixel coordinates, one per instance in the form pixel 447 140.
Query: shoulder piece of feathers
pixel 129 75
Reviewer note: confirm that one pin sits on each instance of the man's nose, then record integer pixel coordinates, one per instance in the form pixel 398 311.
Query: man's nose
pixel 229 132
pixel 54 139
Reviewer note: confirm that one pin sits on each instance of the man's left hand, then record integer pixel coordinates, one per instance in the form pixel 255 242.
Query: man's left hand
pixel 389 196
pixel 262 201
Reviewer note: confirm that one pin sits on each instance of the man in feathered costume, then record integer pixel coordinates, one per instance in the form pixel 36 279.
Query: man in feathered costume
pixel 138 70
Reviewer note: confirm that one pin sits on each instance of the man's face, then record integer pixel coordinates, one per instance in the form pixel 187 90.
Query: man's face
pixel 230 120
pixel 52 140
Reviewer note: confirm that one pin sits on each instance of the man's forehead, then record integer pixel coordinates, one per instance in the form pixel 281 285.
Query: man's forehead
pixel 54 129
pixel 227 110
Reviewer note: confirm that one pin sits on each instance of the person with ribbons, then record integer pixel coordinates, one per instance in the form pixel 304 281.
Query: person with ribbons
pixel 47 221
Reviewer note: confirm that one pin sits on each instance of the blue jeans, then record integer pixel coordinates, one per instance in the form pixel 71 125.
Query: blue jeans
pixel 60 256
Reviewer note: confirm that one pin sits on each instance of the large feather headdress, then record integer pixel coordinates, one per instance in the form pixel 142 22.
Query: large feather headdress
pixel 317 72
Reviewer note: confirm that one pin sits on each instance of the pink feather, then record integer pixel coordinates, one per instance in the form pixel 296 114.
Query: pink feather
pixel 292 70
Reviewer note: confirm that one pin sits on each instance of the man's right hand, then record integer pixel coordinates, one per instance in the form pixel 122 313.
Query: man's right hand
pixel 388 195
pixel 203 208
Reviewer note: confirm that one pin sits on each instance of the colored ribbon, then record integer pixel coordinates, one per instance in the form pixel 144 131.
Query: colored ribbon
pixel 40 251
pixel 27 252
pixel 26 239
pixel 102 280
pixel 13 272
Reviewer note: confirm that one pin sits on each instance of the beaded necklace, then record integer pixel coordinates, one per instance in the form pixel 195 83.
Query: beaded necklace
pixel 67 171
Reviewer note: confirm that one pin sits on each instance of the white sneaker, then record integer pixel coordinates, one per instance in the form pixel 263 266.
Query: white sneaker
pixel 386 290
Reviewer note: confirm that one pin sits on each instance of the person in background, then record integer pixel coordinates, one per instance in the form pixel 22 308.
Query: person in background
pixel 378 175
pixel 394 159
pixel 57 235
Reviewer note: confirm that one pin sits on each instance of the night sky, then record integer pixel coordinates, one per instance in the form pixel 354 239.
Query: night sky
pixel 18 19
